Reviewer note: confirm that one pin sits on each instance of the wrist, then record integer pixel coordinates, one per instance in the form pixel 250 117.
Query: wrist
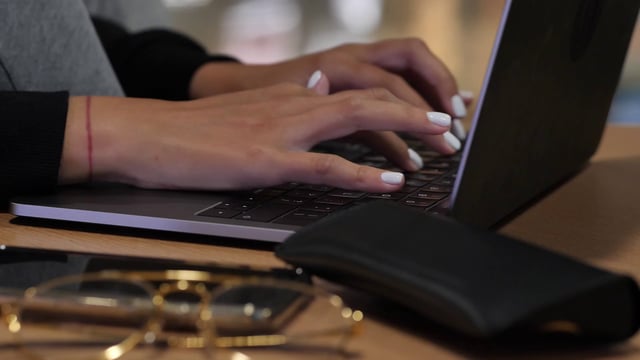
pixel 74 167
pixel 105 138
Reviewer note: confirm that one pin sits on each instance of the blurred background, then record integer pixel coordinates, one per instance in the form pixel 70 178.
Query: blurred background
pixel 461 32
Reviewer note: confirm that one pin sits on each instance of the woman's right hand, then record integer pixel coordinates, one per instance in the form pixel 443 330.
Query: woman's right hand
pixel 240 140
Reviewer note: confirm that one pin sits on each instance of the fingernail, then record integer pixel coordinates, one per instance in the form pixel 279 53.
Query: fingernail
pixel 458 129
pixel 439 118
pixel 466 94
pixel 416 159
pixel 313 80
pixel 452 141
pixel 392 178
pixel 459 109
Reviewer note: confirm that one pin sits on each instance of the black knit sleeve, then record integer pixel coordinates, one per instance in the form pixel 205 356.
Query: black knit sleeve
pixel 32 126
pixel 153 63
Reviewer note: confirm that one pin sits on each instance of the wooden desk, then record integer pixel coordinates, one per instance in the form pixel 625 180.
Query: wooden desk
pixel 594 217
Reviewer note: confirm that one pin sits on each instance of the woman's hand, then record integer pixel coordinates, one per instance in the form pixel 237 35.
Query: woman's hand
pixel 405 67
pixel 239 140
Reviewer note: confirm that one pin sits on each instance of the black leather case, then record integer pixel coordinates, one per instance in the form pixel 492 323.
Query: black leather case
pixel 475 282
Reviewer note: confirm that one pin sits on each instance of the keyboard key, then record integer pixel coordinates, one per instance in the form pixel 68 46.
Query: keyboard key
pixel 325 208
pixel 432 171
pixel 266 193
pixel 428 195
pixel 416 183
pixel 406 189
pixel 387 196
pixel 334 200
pixel 347 193
pixel 423 177
pixel 290 200
pixel 437 188
pixel 438 165
pixel 236 205
pixel 445 182
pixel 220 213
pixel 304 193
pixel 300 217
pixel 417 202
pixel 266 212
pixel 364 201
pixel 428 153
pixel 320 188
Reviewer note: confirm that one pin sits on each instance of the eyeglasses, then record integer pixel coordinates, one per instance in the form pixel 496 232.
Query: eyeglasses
pixel 105 315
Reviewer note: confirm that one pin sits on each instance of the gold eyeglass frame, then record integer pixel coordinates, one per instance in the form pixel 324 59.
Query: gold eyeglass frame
pixel 193 282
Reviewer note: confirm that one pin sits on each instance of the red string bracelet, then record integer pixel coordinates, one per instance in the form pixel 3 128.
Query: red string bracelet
pixel 89 138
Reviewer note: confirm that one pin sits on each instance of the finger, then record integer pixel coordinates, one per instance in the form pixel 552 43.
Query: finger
pixel 372 76
pixel 358 75
pixel 292 100
pixel 287 100
pixel 467 96
pixel 267 94
pixel 318 82
pixel 364 112
pixel 446 144
pixel 457 127
pixel 425 71
pixel 390 145
pixel 333 170
pixel 379 93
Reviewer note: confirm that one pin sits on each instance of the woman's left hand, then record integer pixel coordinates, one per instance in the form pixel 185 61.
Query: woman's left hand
pixel 405 67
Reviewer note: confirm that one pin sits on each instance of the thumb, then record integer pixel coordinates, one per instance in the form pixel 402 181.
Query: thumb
pixel 319 82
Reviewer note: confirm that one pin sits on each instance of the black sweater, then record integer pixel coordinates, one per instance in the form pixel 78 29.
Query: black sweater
pixel 152 64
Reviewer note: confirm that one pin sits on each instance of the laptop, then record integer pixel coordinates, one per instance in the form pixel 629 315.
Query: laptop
pixel 541 113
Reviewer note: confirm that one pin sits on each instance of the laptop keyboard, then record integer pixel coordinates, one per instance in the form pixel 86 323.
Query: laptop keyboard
pixel 302 204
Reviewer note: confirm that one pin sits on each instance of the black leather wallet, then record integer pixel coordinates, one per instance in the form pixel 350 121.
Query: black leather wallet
pixel 472 281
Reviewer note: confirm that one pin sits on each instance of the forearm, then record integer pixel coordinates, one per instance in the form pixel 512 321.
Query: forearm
pixel 155 63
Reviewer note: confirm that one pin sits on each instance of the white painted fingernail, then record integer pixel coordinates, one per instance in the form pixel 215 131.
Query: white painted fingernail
pixel 466 94
pixel 452 141
pixel 416 158
pixel 458 129
pixel 313 80
pixel 459 108
pixel 439 118
pixel 392 178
